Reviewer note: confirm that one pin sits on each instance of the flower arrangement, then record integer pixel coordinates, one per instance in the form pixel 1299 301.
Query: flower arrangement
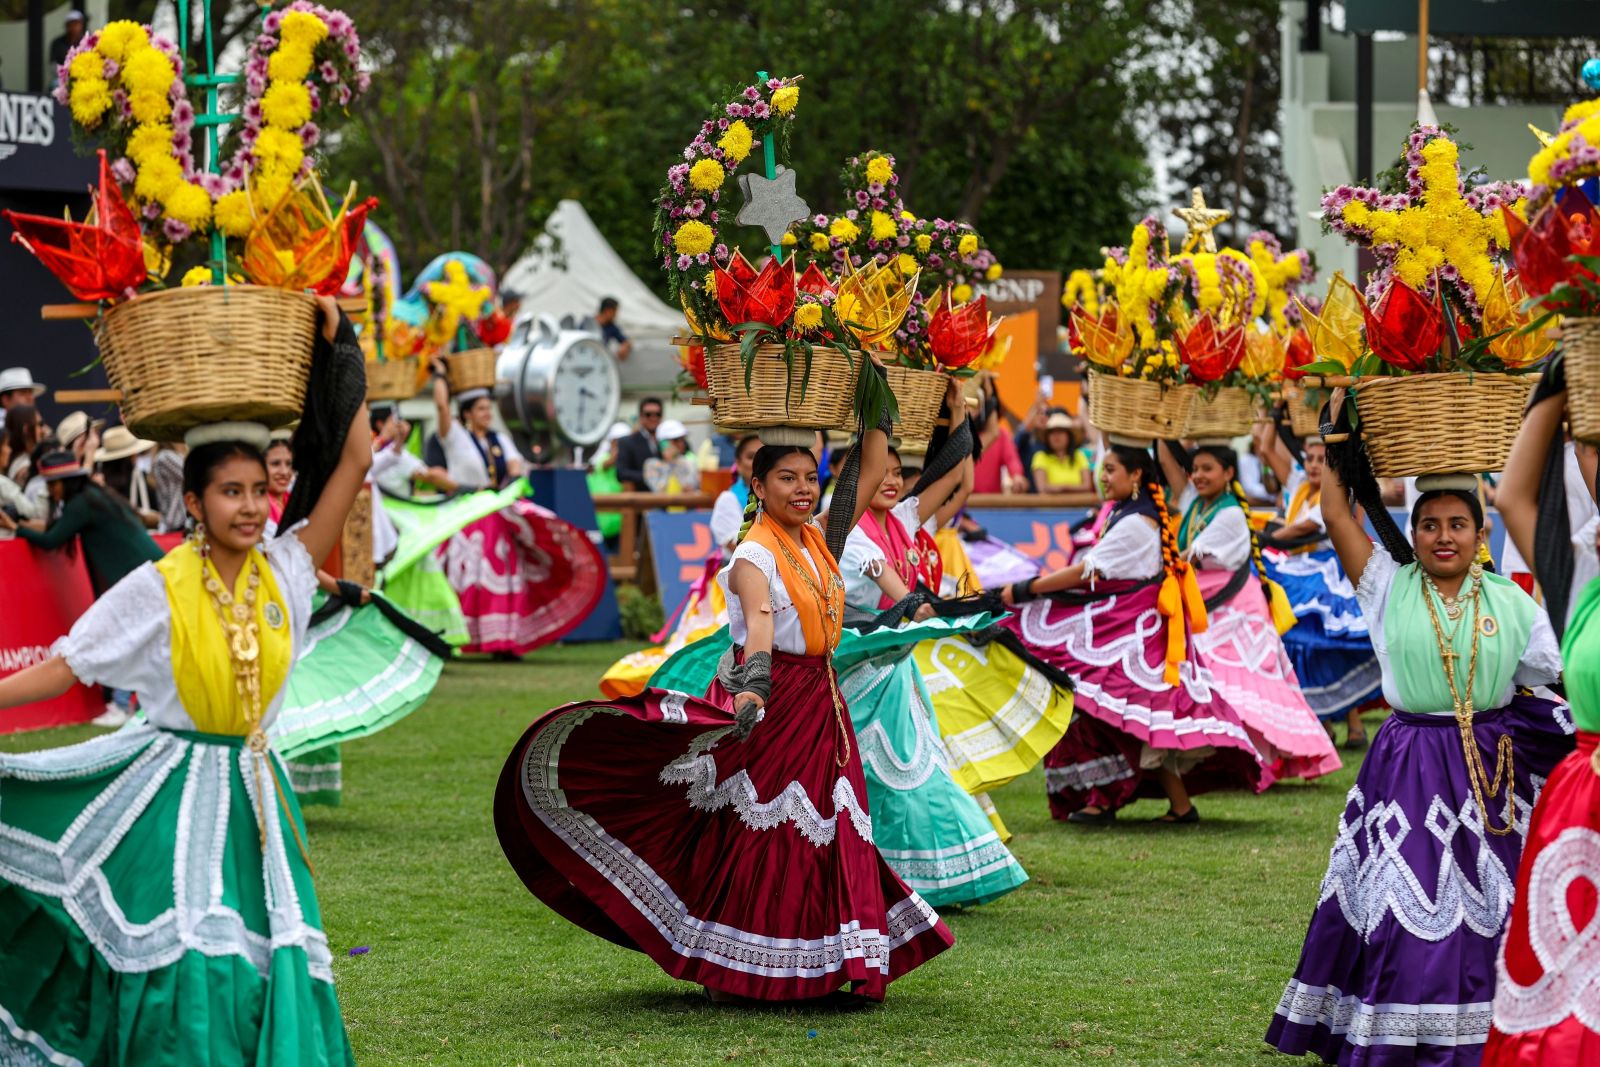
pixel 125 86
pixel 1282 274
pixel 1569 157
pixel 688 212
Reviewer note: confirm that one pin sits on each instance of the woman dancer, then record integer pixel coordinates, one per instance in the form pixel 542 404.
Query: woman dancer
pixel 280 477
pixel 1148 720
pixel 1330 646
pixel 728 837
pixel 1546 998
pixel 158 906
pixel 1398 964
pixel 524 577
pixel 1240 645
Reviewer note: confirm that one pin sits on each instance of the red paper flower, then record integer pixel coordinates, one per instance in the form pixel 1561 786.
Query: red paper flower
pixel 1540 249
pixel 693 359
pixel 1403 327
pixel 1298 353
pixel 99 260
pixel 960 335
pixel 766 298
pixel 816 283
pixel 493 328
pixel 1210 352
pixel 349 240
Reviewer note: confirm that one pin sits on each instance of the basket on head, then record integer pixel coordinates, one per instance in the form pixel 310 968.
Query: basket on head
pixel 472 369
pixel 1133 407
pixel 211 353
pixel 392 379
pixel 783 395
pixel 918 394
pixel 1580 341
pixel 1440 423
pixel 1305 408
pixel 1228 414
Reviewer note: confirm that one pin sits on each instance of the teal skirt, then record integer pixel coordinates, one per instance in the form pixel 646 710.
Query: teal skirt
pixel 932 832
pixel 141 920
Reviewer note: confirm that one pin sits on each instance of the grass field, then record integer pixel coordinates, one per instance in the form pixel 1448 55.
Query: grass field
pixel 1131 945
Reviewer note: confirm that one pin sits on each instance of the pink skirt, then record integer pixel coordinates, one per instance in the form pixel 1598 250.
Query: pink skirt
pixel 746 866
pixel 524 577
pixel 1245 656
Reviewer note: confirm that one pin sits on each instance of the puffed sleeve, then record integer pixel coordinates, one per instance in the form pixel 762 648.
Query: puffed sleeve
pixel 1131 549
pixel 124 639
pixel 1225 543
pixel 1373 592
pixel 296 573
pixel 1541 663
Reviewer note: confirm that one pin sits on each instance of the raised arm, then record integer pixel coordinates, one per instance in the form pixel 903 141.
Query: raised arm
pixel 325 524
pixel 74 517
pixel 1344 527
pixel 441 396
pixel 1518 498
pixel 958 500
pixel 1171 469
pixel 1273 452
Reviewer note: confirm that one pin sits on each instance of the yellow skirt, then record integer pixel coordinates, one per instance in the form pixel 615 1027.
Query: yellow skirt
pixel 702 617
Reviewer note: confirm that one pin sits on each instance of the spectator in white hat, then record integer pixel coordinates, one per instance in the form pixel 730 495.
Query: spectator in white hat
pixel 17 387
pixel 75 26
pixel 674 472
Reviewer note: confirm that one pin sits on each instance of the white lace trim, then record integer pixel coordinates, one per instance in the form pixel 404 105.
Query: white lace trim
pixel 688 935
pixel 1383 883
pixel 1162 719
pixel 1384 1024
pixel 1074 633
pixel 926 870
pixel 70 869
pixel 315 777
pixel 1081 777
pixel 878 753
pixel 1569 958
pixel 25 1048
pixel 698 770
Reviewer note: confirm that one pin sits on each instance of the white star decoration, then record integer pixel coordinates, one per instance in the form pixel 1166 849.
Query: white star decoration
pixel 771 203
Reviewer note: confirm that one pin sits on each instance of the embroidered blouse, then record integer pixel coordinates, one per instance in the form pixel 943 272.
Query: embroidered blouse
pixel 787 635
pixel 862 561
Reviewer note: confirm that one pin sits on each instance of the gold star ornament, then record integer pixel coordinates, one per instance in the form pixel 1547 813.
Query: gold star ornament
pixel 1201 220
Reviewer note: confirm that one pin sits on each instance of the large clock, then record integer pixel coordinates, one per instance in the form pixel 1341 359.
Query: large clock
pixel 558 382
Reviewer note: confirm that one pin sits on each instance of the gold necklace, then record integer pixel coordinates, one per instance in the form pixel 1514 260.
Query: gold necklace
pixel 1504 767
pixel 1453 607
pixel 826 603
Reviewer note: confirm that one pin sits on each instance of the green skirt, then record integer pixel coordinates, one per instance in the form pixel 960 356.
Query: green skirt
pixel 141 920
pixel 933 833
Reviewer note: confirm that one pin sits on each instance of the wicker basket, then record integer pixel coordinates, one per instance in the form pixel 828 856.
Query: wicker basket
pixel 186 357
pixel 1305 409
pixel 1440 423
pixel 392 379
pixel 472 369
pixel 1131 407
pixel 1580 341
pixel 779 395
pixel 1228 414
pixel 918 394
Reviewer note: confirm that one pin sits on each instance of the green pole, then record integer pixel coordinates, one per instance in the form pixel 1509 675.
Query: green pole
pixel 769 153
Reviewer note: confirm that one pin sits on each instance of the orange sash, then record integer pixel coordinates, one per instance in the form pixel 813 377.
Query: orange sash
pixel 820 604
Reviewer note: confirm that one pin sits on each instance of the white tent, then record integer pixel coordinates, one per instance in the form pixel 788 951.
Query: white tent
pixel 572 267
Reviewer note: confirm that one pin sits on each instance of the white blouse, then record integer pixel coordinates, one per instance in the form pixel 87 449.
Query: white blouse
pixel 787 635
pixel 124 640
pixel 463 460
pixel 1541 663
pixel 1309 511
pixel 727 515
pixel 393 468
pixel 1131 549
pixel 862 561
pixel 1224 544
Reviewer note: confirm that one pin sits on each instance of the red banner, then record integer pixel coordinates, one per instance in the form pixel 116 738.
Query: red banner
pixel 46 592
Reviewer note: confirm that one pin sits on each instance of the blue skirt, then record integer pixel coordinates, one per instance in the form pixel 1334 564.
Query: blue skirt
pixel 1329 645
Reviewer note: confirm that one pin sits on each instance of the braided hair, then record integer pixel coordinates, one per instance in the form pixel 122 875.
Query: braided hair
pixel 1141 460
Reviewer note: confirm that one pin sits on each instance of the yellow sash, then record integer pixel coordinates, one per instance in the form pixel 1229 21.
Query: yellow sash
pixel 821 616
pixel 201 665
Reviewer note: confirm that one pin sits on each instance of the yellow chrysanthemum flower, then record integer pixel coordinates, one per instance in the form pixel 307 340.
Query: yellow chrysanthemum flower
pixel 924 242
pixel 147 70
pixel 90 99
pixel 879 170
pixel 290 63
pixel 233 214
pixel 149 140
pixel 87 65
pixel 707 175
pixel 906 216
pixel 961 293
pixel 994 272
pixel 883 228
pixel 278 148
pixel 844 229
pixel 907 264
pixel 808 316
pixel 819 242
pixel 196 276
pixel 150 106
pixel 968 245
pixel 157 178
pixel 736 141
pixel 286 105
pixel 121 38
pixel 789 240
pixel 271 184
pixel 302 28
pixel 189 204
pixel 694 237
pixel 785 99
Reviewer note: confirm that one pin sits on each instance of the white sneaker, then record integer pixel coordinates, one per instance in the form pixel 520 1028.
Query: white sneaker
pixel 113 716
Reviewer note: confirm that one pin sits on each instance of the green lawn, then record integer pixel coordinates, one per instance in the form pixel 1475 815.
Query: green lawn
pixel 1131 945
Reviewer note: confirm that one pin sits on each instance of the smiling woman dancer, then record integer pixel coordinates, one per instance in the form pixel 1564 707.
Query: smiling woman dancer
pixel 156 905
pixel 728 837
pixel 1398 964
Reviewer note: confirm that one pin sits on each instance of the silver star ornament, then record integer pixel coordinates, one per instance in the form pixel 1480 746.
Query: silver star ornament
pixel 771 203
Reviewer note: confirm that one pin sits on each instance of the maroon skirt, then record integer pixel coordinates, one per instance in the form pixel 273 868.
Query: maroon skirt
pixel 746 866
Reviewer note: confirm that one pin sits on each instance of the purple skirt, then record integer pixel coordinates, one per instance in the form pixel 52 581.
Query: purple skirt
pixel 1398 963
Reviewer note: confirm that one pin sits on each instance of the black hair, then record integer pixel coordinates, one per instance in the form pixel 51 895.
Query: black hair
pixel 20 420
pixel 201 463
pixel 277 442
pixel 464 407
pixel 1143 460
pixel 1136 459
pixel 656 400
pixel 1225 456
pixel 738 448
pixel 378 414
pixel 1474 505
pixel 608 303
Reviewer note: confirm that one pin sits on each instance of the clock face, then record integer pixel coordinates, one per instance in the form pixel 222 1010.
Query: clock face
pixel 586 392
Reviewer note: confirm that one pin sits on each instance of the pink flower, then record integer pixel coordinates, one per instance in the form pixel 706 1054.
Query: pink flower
pixel 820 220
pixel 249 134
pixel 214 185
pixel 109 68
pixel 255 84
pixel 122 171
pixel 316 97
pixel 875 188
pixel 344 96
pixel 310 135
pixel 759 109
pixel 264 45
pixel 352 50
pixel 183 115
pixel 61 95
pixel 252 113
pixel 862 198
pixel 175 230
pixel 685 261
pixel 363 81
pixel 182 142
pixel 271 23
pixel 328 72
pixel 721 252
pixel 852 214
pixel 752 93
pixel 732 110
pixel 703 258
pixel 339 23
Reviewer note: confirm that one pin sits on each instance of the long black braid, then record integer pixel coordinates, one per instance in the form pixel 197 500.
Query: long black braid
pixel 1553 561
